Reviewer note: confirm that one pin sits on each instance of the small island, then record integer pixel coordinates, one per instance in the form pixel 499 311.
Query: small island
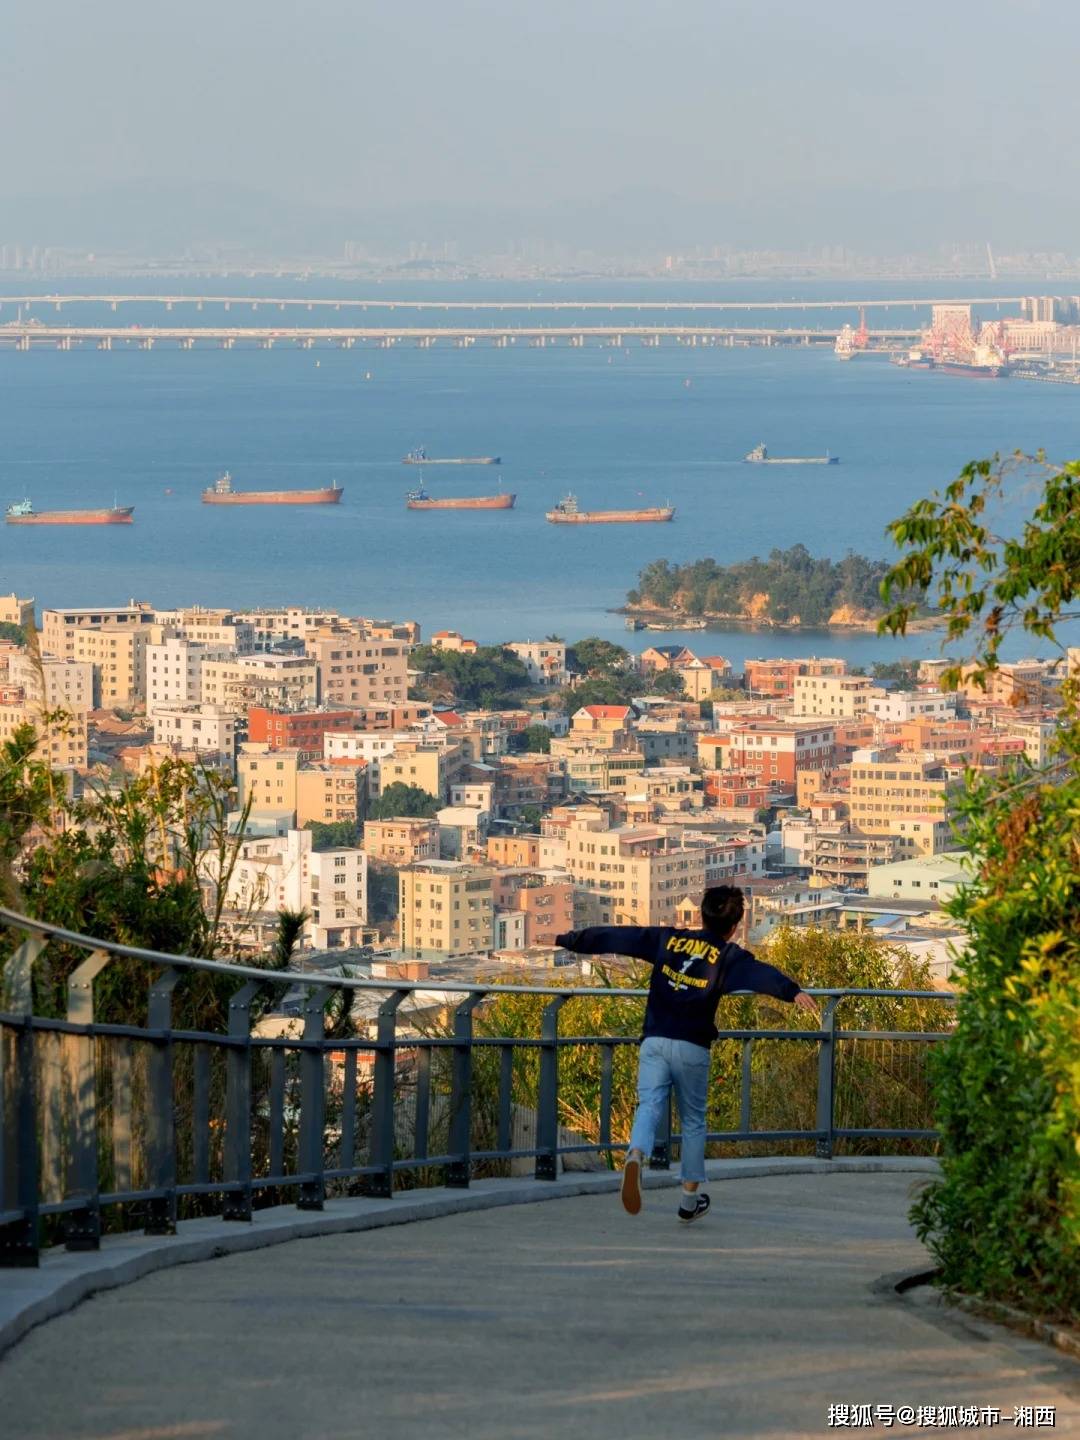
pixel 790 589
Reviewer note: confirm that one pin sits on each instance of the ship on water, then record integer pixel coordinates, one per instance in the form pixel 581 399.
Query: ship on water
pixel 760 456
pixel 421 500
pixel 222 493
pixel 420 456
pixel 23 513
pixel 567 512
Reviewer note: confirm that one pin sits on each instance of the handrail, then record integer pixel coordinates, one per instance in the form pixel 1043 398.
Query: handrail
pixel 15 921
pixel 69 1147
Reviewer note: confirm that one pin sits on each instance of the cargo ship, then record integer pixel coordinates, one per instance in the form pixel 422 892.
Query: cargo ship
pixel 421 457
pixel 760 456
pixel 566 512
pixel 23 513
pixel 222 493
pixel 974 369
pixel 421 500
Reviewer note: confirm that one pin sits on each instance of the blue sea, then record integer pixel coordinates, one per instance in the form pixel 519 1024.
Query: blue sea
pixel 617 427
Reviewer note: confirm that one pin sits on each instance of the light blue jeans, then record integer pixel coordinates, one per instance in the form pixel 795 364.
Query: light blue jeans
pixel 662 1064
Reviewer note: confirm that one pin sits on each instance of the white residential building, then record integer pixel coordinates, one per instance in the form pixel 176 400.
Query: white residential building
pixel 208 729
pixel 545 660
pixel 284 873
pixel 174 671
pixel 897 707
pixel 56 684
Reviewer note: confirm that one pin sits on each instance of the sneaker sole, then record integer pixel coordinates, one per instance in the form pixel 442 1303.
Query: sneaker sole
pixel 630 1189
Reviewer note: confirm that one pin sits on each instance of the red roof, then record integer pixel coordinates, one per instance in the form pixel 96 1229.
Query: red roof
pixel 607 712
pixel 717 662
pixel 449 717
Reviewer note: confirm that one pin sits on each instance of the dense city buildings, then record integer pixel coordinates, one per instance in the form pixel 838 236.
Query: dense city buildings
pixel 828 796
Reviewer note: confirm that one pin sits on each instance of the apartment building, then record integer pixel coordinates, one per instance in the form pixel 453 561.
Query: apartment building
pixel 267 779
pixel 117 657
pixel 775 679
pixel 279 682
pixel 174 670
pixel 401 841
pixel 356 668
pixel 17 611
pixel 666 741
pixel 843 858
pixel 61 743
pixel 446 909
pixel 777 750
pixel 302 730
pixel 833 697
pixel 463 831
pixel 216 629
pixel 329 794
pixel 900 707
pixel 545 660
pixel 289 625
pixel 601 725
pixel 634 875
pixel 60 627
pixel 56 684
pixel 888 787
pixel 545 904
pixel 522 780
pixel 428 765
pixel 284 872
pixel 204 729
pixel 599 771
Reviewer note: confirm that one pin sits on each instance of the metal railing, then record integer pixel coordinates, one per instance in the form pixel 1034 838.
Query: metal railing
pixel 89 1108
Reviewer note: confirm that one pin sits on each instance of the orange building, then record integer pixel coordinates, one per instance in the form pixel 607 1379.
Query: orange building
pixel 777 750
pixel 301 730
pixel 776 678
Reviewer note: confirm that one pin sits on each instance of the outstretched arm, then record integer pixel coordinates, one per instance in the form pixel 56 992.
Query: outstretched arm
pixel 637 941
pixel 746 973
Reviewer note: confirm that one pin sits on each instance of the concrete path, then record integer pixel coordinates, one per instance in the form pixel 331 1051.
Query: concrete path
pixel 564 1319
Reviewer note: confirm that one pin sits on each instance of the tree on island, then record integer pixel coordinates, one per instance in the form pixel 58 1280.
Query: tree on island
pixel 406 801
pixel 797 586
pixel 667 682
pixel 338 835
pixel 594 656
pixel 1004 1219
pixel 13 634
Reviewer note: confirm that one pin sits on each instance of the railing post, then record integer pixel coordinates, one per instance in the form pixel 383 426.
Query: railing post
pixel 547 1101
pixel 457 1172
pixel 382 1098
pixel 161 1113
pixel 313 1100
pixel 82 1228
pixel 18 1136
pixel 237 1159
pixel 826 1116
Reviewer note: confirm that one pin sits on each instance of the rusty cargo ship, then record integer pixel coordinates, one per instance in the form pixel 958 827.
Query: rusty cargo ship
pixel 421 500
pixel 222 493
pixel 567 512
pixel 23 513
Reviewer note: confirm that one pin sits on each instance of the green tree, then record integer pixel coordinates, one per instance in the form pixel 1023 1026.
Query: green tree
pixel 593 656
pixel 902 673
pixel 490 679
pixel 14 634
pixel 667 682
pixel 340 835
pixel 530 817
pixel 406 800
pixel 1004 1219
pixel 612 689
pixel 537 739
pixel 383 892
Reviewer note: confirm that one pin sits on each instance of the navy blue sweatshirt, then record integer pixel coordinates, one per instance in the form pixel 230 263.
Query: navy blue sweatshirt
pixel 691 970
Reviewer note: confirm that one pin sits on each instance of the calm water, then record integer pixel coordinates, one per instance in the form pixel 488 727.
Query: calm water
pixel 619 428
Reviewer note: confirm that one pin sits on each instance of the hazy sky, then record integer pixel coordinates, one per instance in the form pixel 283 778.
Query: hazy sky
pixel 554 105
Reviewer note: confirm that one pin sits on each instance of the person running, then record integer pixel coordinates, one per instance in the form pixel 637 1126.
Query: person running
pixel 691 970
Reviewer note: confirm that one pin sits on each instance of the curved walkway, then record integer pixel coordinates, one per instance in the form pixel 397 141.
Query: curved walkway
pixel 537 1320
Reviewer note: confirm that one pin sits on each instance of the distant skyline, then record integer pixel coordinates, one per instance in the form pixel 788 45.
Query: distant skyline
pixel 610 125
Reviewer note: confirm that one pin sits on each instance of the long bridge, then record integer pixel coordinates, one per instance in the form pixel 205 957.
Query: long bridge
pixel 269 302
pixel 26 335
